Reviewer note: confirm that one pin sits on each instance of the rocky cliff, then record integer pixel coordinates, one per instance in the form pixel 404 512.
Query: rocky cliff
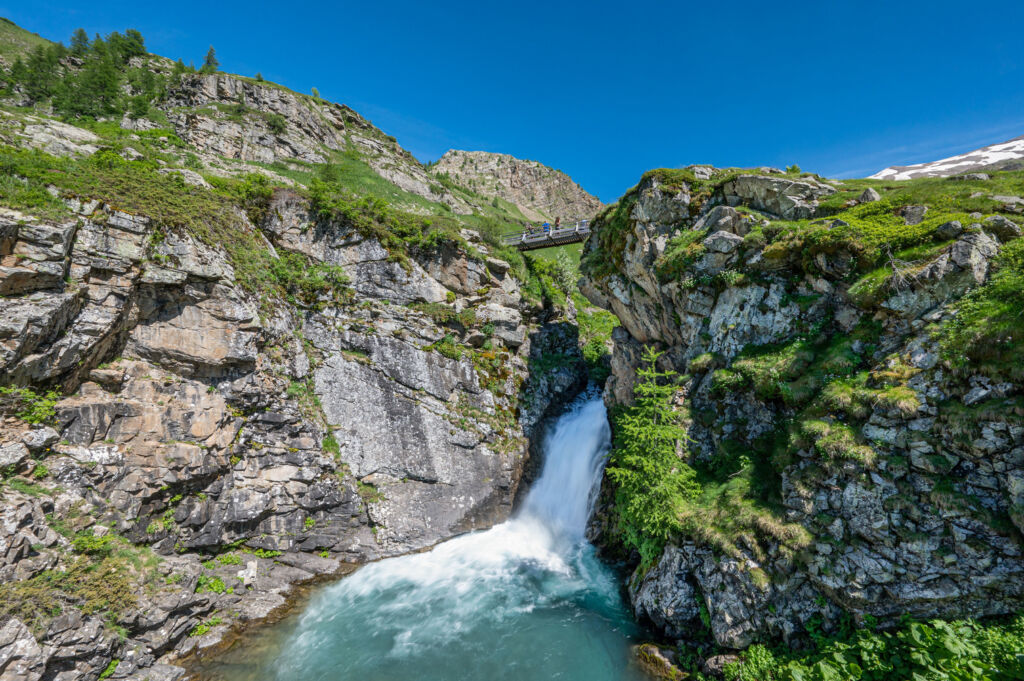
pixel 216 383
pixel 540 192
pixel 847 381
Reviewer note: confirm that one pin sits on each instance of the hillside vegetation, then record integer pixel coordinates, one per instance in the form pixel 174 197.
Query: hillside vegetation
pixel 839 355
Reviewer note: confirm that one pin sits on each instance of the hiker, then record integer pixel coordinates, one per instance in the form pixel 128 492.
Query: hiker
pixel 558 222
pixel 547 227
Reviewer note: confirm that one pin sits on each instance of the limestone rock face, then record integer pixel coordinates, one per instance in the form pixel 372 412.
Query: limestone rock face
pixel 540 192
pixel 878 533
pixel 199 419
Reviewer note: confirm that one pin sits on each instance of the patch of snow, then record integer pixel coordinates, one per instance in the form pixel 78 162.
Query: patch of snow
pixel 953 165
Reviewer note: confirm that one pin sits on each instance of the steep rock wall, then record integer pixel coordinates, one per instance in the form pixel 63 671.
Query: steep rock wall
pixel 238 444
pixel 895 477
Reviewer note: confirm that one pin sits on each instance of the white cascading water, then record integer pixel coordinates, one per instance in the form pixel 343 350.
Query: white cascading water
pixel 526 599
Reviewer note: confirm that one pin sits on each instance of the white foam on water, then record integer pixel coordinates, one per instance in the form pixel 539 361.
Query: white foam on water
pixel 467 589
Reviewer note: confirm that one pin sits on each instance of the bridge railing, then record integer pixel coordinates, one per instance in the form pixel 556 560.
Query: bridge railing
pixel 537 235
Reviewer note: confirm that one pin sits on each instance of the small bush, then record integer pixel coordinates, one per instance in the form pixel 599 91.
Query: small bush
pixel 28 405
pixel 92 545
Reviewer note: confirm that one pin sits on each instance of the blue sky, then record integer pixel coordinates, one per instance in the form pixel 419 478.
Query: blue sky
pixel 605 91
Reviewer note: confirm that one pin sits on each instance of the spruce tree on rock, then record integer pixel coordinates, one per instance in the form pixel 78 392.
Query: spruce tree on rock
pixel 210 64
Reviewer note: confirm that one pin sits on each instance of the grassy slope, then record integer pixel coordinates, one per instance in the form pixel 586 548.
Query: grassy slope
pixel 16 41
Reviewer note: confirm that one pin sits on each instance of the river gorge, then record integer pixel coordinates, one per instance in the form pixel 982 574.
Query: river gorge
pixel 526 599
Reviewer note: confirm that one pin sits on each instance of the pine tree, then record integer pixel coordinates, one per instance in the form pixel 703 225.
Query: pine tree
pixel 135 45
pixel 259 77
pixel 79 42
pixel 210 64
pixel 652 482
pixel 40 75
pixel 316 93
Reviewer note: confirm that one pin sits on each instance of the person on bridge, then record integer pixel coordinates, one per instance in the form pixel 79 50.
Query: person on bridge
pixel 558 222
pixel 547 227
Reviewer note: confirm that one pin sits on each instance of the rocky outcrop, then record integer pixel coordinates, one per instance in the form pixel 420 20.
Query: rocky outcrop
pixel 540 192
pixel 230 117
pixel 901 497
pixel 239 443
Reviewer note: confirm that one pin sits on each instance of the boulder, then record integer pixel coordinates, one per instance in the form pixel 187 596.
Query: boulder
pixel 722 242
pixel 13 454
pixel 949 230
pixel 973 252
pixel 869 195
pixel 1004 228
pixel 21 656
pixel 724 218
pixel 912 215
pixel 40 438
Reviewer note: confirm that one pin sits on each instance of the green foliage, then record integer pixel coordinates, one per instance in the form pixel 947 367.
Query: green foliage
pixel 652 483
pixel 210 63
pixel 27 488
pixel 28 405
pixel 443 314
pixel 277 123
pixel 229 559
pixel 932 651
pixel 595 329
pixel 205 627
pixel 311 283
pixel 110 669
pixel 16 42
pixel 92 89
pixel 106 586
pixel 373 217
pixel 681 253
pixel 216 585
pixel 987 333
pixel 448 347
pixel 92 545
pixel 330 444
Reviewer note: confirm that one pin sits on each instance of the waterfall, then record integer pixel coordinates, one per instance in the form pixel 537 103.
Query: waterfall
pixel 525 600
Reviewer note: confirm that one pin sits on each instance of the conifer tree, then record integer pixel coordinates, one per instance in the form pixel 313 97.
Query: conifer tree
pixel 210 63
pixel 79 42
pixel 652 482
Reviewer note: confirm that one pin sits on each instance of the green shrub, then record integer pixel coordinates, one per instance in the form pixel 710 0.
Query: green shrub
pixel 95 546
pixel 922 651
pixel 205 627
pixel 28 405
pixel 205 583
pixel 448 347
pixel 277 123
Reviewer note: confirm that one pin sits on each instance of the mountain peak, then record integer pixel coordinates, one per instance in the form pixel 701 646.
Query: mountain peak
pixel 540 192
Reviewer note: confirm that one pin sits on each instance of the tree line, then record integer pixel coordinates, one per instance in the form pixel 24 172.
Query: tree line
pixel 95 77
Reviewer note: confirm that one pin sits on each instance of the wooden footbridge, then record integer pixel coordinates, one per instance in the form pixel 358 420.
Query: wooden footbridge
pixel 547 236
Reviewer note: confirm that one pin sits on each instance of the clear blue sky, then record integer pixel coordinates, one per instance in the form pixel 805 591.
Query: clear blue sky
pixel 608 90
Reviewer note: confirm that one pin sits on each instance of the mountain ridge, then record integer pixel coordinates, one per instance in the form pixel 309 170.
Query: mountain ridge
pixel 1008 155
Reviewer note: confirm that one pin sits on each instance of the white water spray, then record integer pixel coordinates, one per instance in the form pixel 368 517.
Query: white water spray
pixel 526 599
